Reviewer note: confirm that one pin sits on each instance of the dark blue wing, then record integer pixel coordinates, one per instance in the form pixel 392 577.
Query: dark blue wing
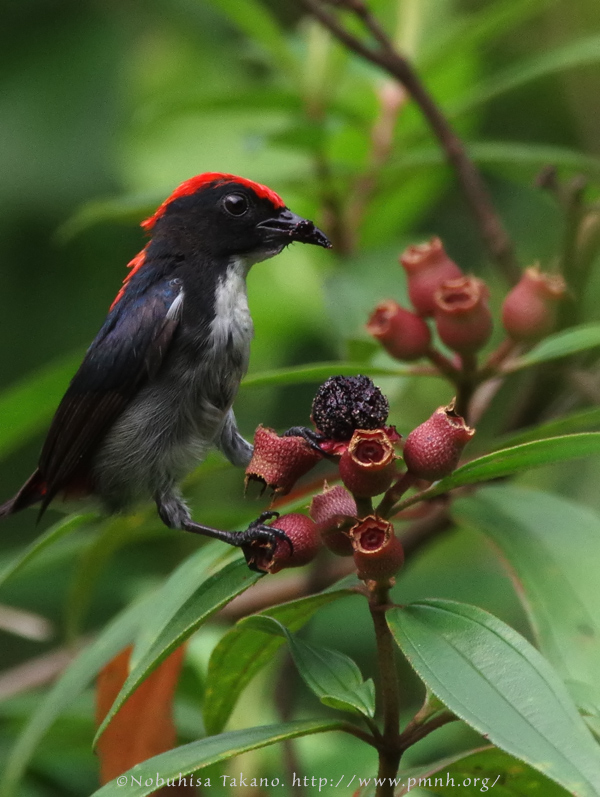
pixel 128 350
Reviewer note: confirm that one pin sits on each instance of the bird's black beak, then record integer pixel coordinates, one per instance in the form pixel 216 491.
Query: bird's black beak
pixel 287 227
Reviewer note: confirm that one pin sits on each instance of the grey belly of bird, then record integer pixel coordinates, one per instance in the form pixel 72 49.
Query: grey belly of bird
pixel 167 430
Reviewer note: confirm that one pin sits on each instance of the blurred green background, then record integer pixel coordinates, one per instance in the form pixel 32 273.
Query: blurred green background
pixel 106 106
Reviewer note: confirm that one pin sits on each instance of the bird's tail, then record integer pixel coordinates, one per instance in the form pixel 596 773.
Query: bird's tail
pixel 30 493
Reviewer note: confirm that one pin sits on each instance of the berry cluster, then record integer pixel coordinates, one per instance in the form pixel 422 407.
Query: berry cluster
pixel 451 308
pixel 458 305
pixel 349 415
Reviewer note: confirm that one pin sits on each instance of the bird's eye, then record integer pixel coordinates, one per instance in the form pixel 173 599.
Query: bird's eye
pixel 235 204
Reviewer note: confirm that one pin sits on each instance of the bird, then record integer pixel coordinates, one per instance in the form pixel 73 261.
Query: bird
pixel 155 389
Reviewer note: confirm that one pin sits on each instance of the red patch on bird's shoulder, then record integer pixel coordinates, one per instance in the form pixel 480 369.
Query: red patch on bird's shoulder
pixel 135 265
pixel 202 180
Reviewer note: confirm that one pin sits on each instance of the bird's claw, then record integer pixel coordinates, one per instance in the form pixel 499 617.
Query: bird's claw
pixel 309 435
pixel 258 542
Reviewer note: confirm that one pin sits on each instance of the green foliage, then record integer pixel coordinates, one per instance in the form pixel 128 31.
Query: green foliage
pixel 574 54
pixel 48 538
pixel 197 755
pixel 508 461
pixel 105 110
pixel 491 677
pixel 485 767
pixel 245 650
pixel 26 408
pixel 583 420
pixel 558 580
pixel 117 635
pixel 183 617
pixel 333 677
pixel 319 373
pixel 562 344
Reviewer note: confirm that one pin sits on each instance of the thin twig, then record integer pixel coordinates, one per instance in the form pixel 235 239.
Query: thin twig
pixel 445 366
pixel 364 736
pixel 414 734
pixel 421 532
pixel 495 237
pixel 482 398
pixel 364 506
pixel 466 385
pixel 392 98
pixel 507 348
pixel 395 493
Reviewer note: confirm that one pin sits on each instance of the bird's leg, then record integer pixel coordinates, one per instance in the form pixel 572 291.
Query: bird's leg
pixel 231 443
pixel 174 513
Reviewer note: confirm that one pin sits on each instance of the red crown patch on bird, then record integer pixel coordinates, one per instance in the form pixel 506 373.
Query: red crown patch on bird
pixel 187 188
pixel 202 180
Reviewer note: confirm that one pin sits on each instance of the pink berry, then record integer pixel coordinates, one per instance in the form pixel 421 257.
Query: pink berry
pixel 433 449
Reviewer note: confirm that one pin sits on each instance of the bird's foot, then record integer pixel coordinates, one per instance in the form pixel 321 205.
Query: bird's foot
pixel 258 541
pixel 314 439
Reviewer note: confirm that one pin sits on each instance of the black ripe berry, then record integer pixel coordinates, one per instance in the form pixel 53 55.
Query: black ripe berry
pixel 346 403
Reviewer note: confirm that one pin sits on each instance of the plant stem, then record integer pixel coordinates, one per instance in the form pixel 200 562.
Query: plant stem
pixel 364 507
pixel 286 689
pixel 490 367
pixel 466 385
pixel 390 749
pixel 417 730
pixel 443 365
pixel 421 532
pixel 354 730
pixel 495 237
pixel 410 501
pixel 395 493
pixel 392 98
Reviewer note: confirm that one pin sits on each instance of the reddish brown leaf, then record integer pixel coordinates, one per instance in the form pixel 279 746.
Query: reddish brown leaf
pixel 143 727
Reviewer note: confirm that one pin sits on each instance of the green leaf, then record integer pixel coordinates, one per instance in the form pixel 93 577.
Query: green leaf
pixel 334 678
pixel 55 533
pixel 584 420
pixel 479 27
pixel 130 209
pixel 553 548
pixel 175 592
pixel 243 652
pixel 513 460
pixel 116 533
pixel 208 598
pixel 502 153
pixel 570 55
pixel 593 724
pixel 27 407
pixel 119 532
pixel 256 21
pixel 571 341
pixel 141 779
pixel 253 98
pixel 523 457
pixel 517 154
pixel 114 637
pixel 362 350
pixel 318 372
pixel 482 770
pixel 498 683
